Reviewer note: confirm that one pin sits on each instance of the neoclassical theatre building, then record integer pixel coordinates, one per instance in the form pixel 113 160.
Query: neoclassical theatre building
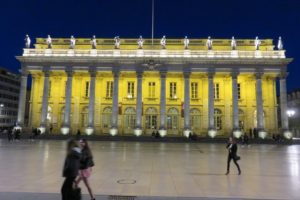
pixel 124 87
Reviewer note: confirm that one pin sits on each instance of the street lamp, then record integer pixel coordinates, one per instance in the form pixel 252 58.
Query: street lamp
pixel 290 113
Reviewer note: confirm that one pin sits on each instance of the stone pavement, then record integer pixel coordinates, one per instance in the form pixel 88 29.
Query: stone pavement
pixel 147 170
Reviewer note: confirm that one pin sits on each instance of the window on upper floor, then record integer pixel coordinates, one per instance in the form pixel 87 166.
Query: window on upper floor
pixel 87 87
pixel 130 89
pixel 109 89
pixel 151 91
pixel 194 86
pixel 173 90
pixel 216 91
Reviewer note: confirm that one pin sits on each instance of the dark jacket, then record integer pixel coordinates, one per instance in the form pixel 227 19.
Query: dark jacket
pixel 86 159
pixel 232 149
pixel 71 166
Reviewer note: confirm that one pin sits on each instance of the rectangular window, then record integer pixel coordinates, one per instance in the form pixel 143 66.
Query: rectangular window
pixel 173 90
pixel 216 91
pixel 194 87
pixel 239 90
pixel 130 89
pixel 87 86
pixel 151 92
pixel 109 89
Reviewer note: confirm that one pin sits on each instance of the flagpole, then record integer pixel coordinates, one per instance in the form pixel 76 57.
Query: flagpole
pixel 152 22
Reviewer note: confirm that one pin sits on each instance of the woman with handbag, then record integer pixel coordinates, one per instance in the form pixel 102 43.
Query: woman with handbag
pixel 86 164
pixel 232 150
pixel 70 170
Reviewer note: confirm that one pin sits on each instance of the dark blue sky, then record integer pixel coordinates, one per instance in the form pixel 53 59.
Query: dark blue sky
pixel 131 18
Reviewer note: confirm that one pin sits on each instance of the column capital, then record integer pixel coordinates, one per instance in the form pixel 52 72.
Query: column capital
pixel 116 73
pixel 69 72
pixel 139 74
pixel 186 74
pixel 46 70
pixel 210 74
pixel 258 75
pixel 163 74
pixel 92 71
pixel 234 75
pixel 283 75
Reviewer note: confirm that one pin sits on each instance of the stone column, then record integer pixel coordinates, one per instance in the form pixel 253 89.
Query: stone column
pixel 187 126
pixel 211 124
pixel 138 127
pixel 44 113
pixel 68 93
pixel 259 106
pixel 22 99
pixel 90 129
pixel 235 102
pixel 162 128
pixel 115 109
pixel 283 105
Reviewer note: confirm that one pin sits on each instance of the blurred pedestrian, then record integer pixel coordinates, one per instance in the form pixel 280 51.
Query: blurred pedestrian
pixel 232 154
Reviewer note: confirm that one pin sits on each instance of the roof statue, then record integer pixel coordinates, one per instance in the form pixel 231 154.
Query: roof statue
pixel 163 42
pixel 257 43
pixel 209 43
pixel 140 42
pixel 280 44
pixel 94 42
pixel 186 42
pixel 49 42
pixel 233 43
pixel 27 41
pixel 117 42
pixel 72 42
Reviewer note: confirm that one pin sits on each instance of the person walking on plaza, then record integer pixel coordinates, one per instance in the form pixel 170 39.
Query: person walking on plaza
pixel 86 164
pixel 70 169
pixel 232 154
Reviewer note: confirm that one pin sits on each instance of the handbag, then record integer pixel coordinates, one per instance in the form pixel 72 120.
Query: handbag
pixel 237 157
pixel 76 193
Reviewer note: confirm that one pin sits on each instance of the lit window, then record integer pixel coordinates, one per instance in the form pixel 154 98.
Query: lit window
pixel 151 93
pixel 194 90
pixel 109 89
pixel 216 91
pixel 130 89
pixel 173 90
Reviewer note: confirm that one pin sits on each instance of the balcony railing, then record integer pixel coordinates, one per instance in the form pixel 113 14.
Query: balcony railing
pixel 164 53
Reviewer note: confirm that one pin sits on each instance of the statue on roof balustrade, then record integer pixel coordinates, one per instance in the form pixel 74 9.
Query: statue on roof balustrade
pixel 72 42
pixel 49 42
pixel 140 42
pixel 94 42
pixel 279 44
pixel 186 42
pixel 257 43
pixel 209 43
pixel 233 43
pixel 27 41
pixel 163 42
pixel 117 42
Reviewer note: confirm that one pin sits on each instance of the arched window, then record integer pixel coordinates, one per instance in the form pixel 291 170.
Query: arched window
pixel 172 119
pixel 106 117
pixel 151 118
pixel 218 119
pixel 195 118
pixel 84 116
pixel 129 117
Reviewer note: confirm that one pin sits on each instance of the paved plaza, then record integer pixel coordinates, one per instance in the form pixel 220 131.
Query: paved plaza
pixel 144 170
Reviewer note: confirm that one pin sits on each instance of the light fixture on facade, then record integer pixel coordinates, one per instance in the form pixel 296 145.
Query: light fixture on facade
pixel 1 105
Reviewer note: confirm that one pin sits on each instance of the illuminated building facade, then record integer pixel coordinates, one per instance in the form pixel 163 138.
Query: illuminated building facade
pixel 178 87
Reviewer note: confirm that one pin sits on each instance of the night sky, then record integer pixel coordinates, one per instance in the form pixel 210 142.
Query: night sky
pixel 131 18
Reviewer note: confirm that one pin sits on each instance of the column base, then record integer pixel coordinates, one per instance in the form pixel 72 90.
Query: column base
pixel 65 130
pixel 237 133
pixel 18 127
pixel 89 130
pixel 262 134
pixel 288 134
pixel 187 133
pixel 42 129
pixel 113 131
pixel 162 132
pixel 138 132
pixel 212 133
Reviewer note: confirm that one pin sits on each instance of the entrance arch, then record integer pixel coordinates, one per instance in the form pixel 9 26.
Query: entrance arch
pixel 151 120
pixel 129 120
pixel 173 121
